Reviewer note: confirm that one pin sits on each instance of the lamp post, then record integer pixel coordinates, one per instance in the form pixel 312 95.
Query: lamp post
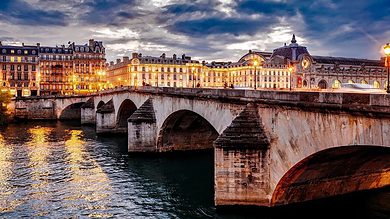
pixel 193 77
pixel 386 49
pixel 255 63
pixel 290 69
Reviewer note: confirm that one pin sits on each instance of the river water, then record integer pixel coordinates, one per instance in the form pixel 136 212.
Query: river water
pixel 63 170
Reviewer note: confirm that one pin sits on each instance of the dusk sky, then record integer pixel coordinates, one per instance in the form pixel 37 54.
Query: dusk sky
pixel 204 29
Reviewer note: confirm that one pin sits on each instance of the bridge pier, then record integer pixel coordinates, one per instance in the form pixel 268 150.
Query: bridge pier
pixel 88 115
pixel 142 130
pixel 242 162
pixel 105 118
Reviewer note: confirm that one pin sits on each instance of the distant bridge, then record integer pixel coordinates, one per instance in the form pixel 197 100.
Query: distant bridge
pixel 271 147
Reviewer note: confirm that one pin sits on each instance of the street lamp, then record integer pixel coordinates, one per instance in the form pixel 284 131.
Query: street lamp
pixel 386 49
pixel 255 63
pixel 193 77
pixel 290 69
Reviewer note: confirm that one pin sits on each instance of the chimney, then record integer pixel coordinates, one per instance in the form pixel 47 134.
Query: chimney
pixel 162 56
pixel 111 63
pixel 250 51
pixel 118 61
pixel 134 55
pixel 125 58
pixel 38 44
pixel 0 43
pixel 22 44
pixel 140 55
pixel 183 56
pixel 174 56
pixel 91 41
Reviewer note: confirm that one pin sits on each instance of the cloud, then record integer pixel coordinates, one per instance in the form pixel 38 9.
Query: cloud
pixel 206 29
pixel 23 13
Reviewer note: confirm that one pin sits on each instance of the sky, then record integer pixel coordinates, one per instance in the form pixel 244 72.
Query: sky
pixel 211 30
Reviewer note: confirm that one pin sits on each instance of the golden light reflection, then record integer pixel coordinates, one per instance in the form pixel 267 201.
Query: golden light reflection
pixel 89 182
pixel 6 190
pixel 38 154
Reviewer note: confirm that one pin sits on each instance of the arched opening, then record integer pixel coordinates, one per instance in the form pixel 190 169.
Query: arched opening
pixel 126 109
pixel 185 130
pixel 364 82
pixel 322 84
pixel 73 111
pixel 304 83
pixel 351 81
pixel 333 172
pixel 336 84
pixel 377 84
pixel 100 104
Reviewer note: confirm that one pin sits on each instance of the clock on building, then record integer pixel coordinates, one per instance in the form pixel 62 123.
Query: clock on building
pixel 305 63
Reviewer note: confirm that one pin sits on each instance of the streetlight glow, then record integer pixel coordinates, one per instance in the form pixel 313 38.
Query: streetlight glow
pixel 386 50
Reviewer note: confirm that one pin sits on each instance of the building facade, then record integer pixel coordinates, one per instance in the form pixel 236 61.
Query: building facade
pixel 61 70
pixel 19 70
pixel 287 67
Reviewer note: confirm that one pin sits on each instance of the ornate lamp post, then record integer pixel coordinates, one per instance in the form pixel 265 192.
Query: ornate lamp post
pixel 386 49
pixel 290 70
pixel 255 64
pixel 193 76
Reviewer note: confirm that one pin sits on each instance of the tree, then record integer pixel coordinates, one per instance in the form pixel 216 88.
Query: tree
pixel 5 99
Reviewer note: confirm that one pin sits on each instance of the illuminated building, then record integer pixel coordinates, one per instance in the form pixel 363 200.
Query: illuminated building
pixel 19 70
pixel 40 70
pixel 88 67
pixel 56 68
pixel 287 67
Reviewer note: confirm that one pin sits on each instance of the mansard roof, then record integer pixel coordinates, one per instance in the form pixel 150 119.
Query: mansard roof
pixel 18 50
pixel 346 61
pixel 55 50
pixel 165 60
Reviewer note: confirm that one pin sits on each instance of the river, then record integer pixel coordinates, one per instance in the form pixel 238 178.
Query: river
pixel 63 170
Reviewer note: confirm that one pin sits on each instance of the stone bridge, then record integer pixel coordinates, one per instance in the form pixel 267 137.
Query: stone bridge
pixel 271 147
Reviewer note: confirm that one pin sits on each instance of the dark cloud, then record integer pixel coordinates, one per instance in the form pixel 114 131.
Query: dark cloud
pixel 109 12
pixel 265 7
pixel 215 25
pixel 21 12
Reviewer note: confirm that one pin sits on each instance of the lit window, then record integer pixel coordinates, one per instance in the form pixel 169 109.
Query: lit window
pixel 12 51
pixel 19 59
pixel 12 59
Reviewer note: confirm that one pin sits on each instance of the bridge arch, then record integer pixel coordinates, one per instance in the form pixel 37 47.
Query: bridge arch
pixel 125 110
pixel 72 111
pixel 100 104
pixel 186 130
pixel 334 171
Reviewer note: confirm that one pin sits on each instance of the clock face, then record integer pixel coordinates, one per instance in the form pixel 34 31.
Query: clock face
pixel 305 63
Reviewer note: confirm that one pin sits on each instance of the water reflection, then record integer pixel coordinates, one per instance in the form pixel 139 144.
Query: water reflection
pixel 89 186
pixel 6 190
pixel 38 152
pixel 57 170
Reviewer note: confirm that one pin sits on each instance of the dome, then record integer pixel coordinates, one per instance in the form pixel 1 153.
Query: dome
pixel 291 52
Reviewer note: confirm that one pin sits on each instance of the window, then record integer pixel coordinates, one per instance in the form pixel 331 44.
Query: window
pixel 25 75
pixel 33 68
pixel 4 67
pixel 19 68
pixel 12 76
pixel 19 75
pixel 19 59
pixel 25 67
pixel 4 51
pixel 4 76
pixel 12 59
pixel 174 76
pixel 12 51
pixel 25 52
pixel 12 67
pixel 4 58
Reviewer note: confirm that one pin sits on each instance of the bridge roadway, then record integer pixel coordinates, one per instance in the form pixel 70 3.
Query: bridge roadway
pixel 271 147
